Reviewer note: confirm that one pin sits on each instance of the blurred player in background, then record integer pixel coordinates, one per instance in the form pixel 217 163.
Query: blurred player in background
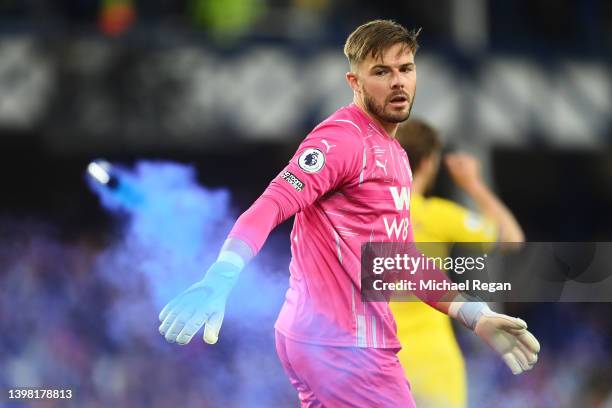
pixel 430 355
pixel 347 182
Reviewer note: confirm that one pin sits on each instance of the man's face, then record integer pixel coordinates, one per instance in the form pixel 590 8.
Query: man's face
pixel 387 85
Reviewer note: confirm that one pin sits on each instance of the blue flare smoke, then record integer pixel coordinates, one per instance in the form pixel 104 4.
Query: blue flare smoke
pixel 174 231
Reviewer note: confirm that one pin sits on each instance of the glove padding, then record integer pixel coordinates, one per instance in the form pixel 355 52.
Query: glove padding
pixel 202 303
pixel 509 337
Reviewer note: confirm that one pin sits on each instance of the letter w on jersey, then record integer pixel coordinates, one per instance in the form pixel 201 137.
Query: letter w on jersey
pixel 401 199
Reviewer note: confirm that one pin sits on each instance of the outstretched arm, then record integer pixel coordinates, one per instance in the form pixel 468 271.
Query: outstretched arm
pixel 310 174
pixel 506 335
pixel 204 302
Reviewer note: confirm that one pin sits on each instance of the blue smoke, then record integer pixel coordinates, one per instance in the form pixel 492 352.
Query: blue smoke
pixel 174 231
pixel 175 227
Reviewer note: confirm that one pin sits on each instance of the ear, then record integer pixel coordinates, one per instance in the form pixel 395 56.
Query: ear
pixel 353 81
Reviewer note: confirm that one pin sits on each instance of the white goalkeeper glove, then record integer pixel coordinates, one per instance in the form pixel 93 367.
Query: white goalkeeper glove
pixel 507 335
pixel 202 303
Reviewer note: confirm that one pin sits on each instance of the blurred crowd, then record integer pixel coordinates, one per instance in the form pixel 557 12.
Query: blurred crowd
pixel 57 316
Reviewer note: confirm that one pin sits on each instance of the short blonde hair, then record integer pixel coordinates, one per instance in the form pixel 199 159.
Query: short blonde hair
pixel 375 37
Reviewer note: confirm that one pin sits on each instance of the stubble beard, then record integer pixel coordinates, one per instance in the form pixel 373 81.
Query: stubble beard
pixel 379 111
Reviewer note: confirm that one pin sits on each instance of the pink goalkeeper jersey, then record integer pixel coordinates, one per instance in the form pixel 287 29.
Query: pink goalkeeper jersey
pixel 350 183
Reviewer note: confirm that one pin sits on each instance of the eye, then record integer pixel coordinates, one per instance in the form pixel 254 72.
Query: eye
pixel 380 72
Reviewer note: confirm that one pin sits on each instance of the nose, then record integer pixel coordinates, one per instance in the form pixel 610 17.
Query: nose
pixel 396 80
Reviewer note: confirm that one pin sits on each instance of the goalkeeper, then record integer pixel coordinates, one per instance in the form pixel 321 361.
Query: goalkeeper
pixel 347 181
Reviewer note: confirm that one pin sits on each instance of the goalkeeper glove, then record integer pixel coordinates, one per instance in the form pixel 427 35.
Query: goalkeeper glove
pixel 506 335
pixel 201 304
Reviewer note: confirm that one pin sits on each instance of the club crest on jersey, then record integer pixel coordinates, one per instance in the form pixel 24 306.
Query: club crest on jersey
pixel 311 160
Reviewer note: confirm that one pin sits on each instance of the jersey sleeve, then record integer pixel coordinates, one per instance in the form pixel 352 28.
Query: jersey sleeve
pixel 328 158
pixel 256 223
pixel 325 160
pixel 458 224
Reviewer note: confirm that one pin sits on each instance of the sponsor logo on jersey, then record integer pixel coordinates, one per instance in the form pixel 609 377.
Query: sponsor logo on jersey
pixel 311 160
pixel 399 227
pixel 291 179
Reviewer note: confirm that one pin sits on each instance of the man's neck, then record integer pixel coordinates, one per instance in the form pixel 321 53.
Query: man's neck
pixel 389 128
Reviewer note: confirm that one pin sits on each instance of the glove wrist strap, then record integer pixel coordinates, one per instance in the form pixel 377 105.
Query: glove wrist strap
pixel 231 257
pixel 468 313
